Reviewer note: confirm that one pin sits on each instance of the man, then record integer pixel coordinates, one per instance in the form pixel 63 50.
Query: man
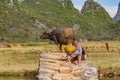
pixel 107 46
pixel 78 54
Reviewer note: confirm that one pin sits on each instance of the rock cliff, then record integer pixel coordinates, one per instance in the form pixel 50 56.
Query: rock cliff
pixel 52 66
pixel 117 16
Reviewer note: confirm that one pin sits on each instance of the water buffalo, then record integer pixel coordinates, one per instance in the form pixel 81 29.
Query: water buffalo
pixel 61 36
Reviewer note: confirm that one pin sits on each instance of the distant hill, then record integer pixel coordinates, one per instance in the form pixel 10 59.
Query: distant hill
pixel 116 25
pixel 117 16
pixel 24 20
pixel 99 20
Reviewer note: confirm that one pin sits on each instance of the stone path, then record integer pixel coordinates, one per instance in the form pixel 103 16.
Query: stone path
pixel 53 66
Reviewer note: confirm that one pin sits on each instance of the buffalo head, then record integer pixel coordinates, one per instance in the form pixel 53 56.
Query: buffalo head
pixel 45 35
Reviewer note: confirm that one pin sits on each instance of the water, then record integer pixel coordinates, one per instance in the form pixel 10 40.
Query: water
pixel 19 78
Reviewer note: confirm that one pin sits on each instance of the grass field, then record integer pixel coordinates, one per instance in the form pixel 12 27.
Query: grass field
pixel 21 59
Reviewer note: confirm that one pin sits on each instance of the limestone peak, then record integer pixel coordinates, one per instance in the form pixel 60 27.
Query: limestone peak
pixel 119 6
pixel 117 16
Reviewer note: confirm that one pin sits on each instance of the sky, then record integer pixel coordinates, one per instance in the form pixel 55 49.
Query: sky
pixel 110 6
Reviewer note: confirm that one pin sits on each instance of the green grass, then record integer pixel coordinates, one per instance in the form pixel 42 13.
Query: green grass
pixel 17 23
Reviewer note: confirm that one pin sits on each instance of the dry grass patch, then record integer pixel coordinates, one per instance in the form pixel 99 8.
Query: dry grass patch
pixel 25 59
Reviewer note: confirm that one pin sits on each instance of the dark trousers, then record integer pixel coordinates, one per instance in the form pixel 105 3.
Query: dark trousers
pixel 76 58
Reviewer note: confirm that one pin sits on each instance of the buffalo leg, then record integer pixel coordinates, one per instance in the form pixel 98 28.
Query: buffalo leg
pixel 56 42
pixel 60 47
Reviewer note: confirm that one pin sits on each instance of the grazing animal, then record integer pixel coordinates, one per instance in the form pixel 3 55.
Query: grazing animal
pixel 61 36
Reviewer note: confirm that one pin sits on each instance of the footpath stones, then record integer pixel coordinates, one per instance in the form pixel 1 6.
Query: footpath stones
pixel 65 70
pixel 45 71
pixel 53 66
pixel 44 78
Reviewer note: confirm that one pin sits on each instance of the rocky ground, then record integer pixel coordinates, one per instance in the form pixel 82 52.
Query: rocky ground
pixel 52 66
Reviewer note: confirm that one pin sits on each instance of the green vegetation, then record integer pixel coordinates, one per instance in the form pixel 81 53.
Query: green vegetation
pixel 18 22
pixel 99 19
pixel 116 27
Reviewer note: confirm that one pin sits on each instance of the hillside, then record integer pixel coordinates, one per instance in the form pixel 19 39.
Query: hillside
pixel 101 22
pixel 116 27
pixel 24 20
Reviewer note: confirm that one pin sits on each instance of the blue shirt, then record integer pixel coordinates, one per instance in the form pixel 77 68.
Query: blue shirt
pixel 78 50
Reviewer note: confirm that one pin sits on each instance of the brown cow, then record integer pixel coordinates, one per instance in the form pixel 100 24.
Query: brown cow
pixel 61 36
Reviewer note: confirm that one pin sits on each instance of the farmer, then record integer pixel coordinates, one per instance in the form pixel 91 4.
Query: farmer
pixel 107 46
pixel 75 52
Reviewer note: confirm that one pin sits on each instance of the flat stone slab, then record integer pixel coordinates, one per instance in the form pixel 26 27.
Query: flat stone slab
pixel 46 71
pixel 65 70
pixel 53 66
